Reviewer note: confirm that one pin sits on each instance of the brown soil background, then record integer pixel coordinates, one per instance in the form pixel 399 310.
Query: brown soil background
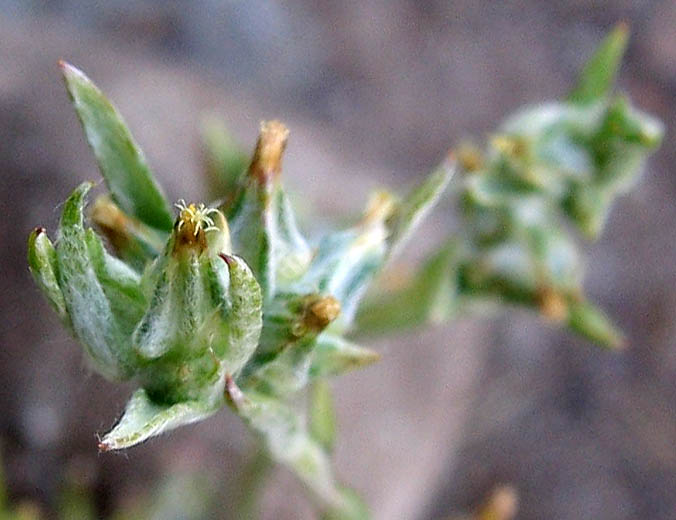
pixel 374 93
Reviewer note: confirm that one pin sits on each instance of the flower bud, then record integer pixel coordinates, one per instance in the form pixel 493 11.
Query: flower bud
pixel 204 315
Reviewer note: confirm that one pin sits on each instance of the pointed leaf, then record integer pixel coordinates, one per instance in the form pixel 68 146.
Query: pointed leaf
pixel 293 254
pixel 120 283
pixel 143 419
pixel 156 333
pixel 43 266
pixel 263 225
pixel 598 75
pixel 122 163
pixel 352 507
pixel 288 372
pixel 92 317
pixel 592 323
pixel 322 415
pixel 588 208
pixel 244 320
pixel 335 355
pixel 431 296
pixel 346 263
pixel 133 241
pixel 254 232
pixel 417 204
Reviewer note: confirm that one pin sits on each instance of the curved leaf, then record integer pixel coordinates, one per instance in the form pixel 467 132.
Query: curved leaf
pixel 92 317
pixel 43 266
pixel 144 419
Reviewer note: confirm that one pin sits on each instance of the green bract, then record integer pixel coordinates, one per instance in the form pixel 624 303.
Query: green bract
pixel 216 305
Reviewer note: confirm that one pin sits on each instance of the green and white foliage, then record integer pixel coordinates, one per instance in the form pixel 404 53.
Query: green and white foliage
pixel 549 168
pixel 226 304
pixel 229 304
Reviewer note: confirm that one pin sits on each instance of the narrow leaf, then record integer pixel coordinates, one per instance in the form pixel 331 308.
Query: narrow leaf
pixel 244 319
pixel 122 163
pixel 91 314
pixel 346 263
pixel 417 204
pixel 598 75
pixel 588 207
pixel 430 296
pixel 589 321
pixel 288 372
pixel 120 283
pixel 143 419
pixel 335 355
pixel 352 507
pixel 263 225
pixel 157 332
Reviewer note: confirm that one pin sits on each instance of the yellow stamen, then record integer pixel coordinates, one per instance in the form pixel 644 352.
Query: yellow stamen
pixel 195 218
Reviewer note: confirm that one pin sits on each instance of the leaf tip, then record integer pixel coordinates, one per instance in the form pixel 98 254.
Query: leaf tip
pixel 103 444
pixel 449 159
pixel 622 29
pixel 228 260
pixel 267 159
pixel 69 71
pixel 233 394
pixel 618 342
pixel 321 312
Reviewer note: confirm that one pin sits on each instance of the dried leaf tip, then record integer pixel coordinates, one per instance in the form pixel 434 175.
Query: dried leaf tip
pixel 112 221
pixel 227 259
pixel 470 157
pixel 622 27
pixel 380 207
pixel 267 159
pixel 322 312
pixel 503 504
pixel 552 304
pixel 69 70
pixel 233 394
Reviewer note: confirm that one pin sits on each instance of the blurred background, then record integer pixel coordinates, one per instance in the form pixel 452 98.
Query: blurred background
pixel 374 92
